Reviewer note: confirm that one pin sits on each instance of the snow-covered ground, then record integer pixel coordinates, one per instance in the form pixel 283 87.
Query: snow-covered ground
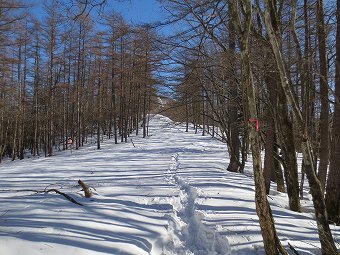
pixel 170 194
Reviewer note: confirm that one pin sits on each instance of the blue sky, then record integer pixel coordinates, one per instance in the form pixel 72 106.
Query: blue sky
pixel 139 11
pixel 134 11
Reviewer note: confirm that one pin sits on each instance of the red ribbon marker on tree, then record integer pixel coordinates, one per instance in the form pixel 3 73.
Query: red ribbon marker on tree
pixel 257 124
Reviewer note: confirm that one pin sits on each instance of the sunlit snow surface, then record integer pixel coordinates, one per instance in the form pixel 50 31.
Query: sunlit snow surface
pixel 170 194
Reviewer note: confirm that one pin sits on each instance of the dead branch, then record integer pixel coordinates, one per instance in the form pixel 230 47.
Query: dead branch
pixel 293 249
pixel 65 195
pixel 45 191
pixel 86 189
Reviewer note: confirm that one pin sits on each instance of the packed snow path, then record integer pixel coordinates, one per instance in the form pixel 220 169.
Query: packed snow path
pixel 170 194
pixel 196 236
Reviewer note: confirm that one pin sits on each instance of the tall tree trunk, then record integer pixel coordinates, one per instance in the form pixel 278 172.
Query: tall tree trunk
pixel 324 115
pixel 113 99
pixel 327 243
pixel 23 100
pixel 234 147
pixel 272 168
pixel 144 112
pixel 99 110
pixel 333 181
pixel 36 100
pixel 203 112
pixel 305 69
pixel 78 81
pixel 286 138
pixel 269 166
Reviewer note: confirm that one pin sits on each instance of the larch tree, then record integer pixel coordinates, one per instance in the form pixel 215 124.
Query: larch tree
pixel 333 181
pixel 324 114
pixel 73 86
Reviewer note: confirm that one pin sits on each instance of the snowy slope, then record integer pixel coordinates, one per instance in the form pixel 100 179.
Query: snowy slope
pixel 170 194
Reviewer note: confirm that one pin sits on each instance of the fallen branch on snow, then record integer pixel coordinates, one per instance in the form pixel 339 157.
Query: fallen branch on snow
pixel 45 191
pixel 65 195
pixel 293 249
pixel 86 189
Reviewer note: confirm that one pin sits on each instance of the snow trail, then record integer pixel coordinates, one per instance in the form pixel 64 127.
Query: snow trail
pixel 200 239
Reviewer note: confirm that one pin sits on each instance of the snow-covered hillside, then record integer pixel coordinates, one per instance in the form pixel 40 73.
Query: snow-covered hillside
pixel 170 194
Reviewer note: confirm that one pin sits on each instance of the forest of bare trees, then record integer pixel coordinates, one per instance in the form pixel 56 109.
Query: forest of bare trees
pixel 261 76
pixel 66 78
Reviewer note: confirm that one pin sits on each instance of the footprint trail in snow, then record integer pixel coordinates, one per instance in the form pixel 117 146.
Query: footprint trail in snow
pixel 197 237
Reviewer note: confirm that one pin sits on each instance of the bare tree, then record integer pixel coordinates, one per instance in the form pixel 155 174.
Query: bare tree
pixel 326 239
pixel 270 239
pixel 324 115
pixel 333 181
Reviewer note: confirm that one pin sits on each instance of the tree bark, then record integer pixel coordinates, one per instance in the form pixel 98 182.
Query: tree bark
pixel 333 182
pixel 288 149
pixel 324 115
pixel 268 168
pixel 272 168
pixel 234 147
